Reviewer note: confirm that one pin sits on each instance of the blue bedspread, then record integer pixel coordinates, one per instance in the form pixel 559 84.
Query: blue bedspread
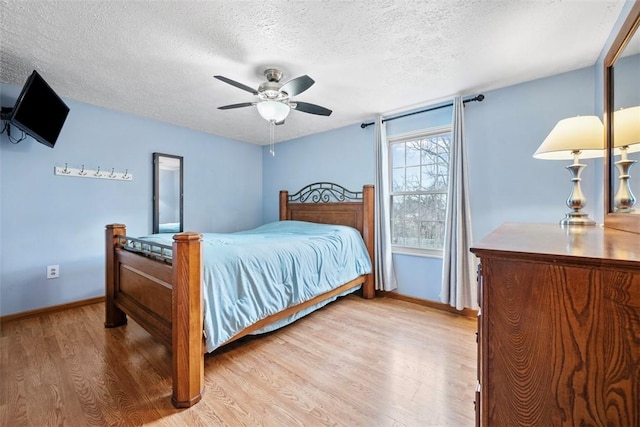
pixel 251 274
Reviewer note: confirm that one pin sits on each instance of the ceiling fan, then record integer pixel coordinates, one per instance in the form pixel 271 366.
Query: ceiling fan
pixel 275 102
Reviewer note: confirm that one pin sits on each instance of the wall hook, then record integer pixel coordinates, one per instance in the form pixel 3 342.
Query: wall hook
pixel 84 172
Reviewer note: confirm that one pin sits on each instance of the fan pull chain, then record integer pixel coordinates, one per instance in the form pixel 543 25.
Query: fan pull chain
pixel 272 149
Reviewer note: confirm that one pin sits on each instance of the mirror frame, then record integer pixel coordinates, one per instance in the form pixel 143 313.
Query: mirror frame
pixel 620 221
pixel 156 191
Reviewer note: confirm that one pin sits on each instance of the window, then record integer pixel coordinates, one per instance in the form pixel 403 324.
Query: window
pixel 419 183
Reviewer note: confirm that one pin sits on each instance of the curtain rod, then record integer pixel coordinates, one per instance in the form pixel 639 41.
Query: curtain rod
pixel 478 98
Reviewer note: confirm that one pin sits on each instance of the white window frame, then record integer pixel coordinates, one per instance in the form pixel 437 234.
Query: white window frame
pixel 391 140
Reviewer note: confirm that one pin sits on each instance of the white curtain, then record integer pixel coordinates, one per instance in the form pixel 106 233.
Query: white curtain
pixel 458 275
pixel 385 275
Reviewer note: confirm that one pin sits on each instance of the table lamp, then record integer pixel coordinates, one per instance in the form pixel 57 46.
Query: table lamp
pixel 572 138
pixel 626 139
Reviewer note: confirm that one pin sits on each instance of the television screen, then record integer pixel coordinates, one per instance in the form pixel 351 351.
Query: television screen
pixel 39 111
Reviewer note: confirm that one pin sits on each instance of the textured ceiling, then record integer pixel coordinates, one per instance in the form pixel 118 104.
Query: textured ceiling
pixel 158 58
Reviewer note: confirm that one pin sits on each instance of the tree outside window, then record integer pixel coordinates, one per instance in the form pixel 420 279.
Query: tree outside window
pixel 419 184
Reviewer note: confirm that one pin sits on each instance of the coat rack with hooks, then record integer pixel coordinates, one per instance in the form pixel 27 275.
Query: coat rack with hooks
pixel 93 173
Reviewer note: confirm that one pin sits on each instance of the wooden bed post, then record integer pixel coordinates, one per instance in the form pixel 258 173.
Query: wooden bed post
pixel 187 326
pixel 284 196
pixel 368 233
pixel 113 315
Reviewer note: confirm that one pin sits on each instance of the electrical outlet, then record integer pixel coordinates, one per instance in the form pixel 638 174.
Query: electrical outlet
pixel 53 271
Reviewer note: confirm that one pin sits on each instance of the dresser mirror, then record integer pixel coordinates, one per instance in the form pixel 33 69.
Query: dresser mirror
pixel 167 193
pixel 622 124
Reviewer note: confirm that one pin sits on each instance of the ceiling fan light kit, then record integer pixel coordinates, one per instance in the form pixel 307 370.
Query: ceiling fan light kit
pixel 275 102
pixel 273 111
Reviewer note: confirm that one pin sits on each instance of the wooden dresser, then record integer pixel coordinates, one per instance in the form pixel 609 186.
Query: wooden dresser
pixel 559 326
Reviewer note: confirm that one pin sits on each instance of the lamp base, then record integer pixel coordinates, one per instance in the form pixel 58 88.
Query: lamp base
pixel 576 200
pixel 577 218
pixel 624 200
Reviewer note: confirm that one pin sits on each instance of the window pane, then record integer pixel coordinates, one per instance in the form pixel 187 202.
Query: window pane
pixel 428 177
pixel 438 233
pixel 430 207
pixel 423 208
pixel 431 234
pixel 397 215
pixel 421 171
pixel 427 238
pixel 397 155
pixel 429 151
pixel 413 150
pixel 412 204
pixel 411 229
pixel 441 202
pixel 442 178
pixel 398 183
pixel 413 178
pixel 443 143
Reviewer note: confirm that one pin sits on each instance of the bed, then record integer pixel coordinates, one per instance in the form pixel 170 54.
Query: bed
pixel 165 288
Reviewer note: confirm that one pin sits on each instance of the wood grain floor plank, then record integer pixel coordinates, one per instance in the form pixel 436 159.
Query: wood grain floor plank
pixel 249 376
pixel 370 388
pixel 381 362
pixel 284 374
pixel 333 365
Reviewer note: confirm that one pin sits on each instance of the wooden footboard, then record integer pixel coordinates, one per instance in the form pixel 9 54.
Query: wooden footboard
pixel 164 295
pixel 166 300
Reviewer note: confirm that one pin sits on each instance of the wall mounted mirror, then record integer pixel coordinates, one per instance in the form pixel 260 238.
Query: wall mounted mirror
pixel 622 124
pixel 167 193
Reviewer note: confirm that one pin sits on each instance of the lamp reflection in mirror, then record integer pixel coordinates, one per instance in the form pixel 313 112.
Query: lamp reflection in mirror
pixel 572 138
pixel 626 139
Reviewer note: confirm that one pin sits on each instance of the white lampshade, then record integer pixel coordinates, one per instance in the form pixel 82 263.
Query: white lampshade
pixel 583 133
pixel 626 129
pixel 273 111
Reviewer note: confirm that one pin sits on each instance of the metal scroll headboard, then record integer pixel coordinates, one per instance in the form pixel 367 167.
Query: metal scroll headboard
pixel 324 192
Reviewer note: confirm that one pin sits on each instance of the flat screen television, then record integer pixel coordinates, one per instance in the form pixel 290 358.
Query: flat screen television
pixel 39 111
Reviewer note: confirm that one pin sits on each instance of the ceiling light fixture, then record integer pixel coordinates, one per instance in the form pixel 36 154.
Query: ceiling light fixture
pixel 273 111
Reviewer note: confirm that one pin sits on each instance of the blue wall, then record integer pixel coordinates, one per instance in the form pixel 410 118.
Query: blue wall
pixel 47 219
pixel 507 183
pixel 344 156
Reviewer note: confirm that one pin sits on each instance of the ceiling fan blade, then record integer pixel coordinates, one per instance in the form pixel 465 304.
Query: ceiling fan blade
pixel 229 107
pixel 298 85
pixel 305 107
pixel 237 84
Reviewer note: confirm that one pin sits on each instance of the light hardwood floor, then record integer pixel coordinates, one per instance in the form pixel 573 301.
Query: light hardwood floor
pixel 356 362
